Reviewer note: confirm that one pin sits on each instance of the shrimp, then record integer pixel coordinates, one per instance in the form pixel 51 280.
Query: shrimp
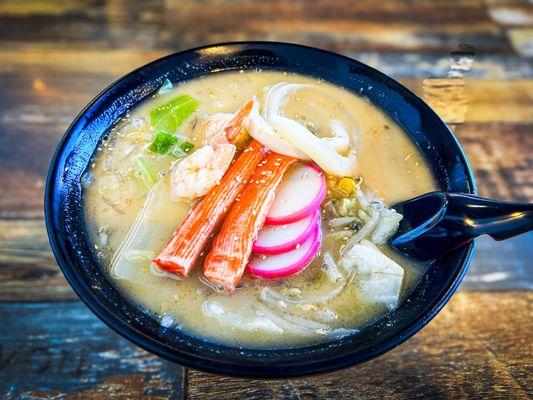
pixel 197 174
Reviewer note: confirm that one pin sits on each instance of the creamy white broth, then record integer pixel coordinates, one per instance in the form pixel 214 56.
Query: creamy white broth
pixel 389 163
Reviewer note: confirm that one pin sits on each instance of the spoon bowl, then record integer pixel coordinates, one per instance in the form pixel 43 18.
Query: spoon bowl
pixel 436 223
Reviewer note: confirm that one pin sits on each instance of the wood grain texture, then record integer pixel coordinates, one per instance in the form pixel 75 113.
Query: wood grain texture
pixel 28 271
pixel 467 351
pixel 41 109
pixel 501 155
pixel 501 265
pixel 343 25
pixel 61 350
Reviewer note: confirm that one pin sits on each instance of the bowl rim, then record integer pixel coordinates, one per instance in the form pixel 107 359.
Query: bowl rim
pixel 219 367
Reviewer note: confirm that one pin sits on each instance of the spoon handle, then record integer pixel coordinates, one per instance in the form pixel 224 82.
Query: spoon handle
pixel 499 219
pixel 436 223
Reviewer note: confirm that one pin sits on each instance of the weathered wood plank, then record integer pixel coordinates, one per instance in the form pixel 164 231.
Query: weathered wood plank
pixel 511 12
pixel 500 153
pixel 502 265
pixel 502 158
pixel 467 351
pixel 61 350
pixel 47 102
pixel 38 62
pixel 55 56
pixel 478 347
pixel 52 94
pixel 28 270
pixel 522 40
pixel 487 100
pixel 35 61
pixel 356 26
pixel 423 65
pixel 471 10
pixel 41 115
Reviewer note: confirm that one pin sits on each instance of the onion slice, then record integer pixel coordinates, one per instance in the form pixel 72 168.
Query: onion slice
pixel 321 298
pixel 320 314
pixel 302 326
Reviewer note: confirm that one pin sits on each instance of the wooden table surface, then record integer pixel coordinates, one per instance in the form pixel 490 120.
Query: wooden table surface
pixel 56 56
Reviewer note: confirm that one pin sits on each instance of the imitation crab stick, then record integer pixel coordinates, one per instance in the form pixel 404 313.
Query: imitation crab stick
pixel 185 245
pixel 232 246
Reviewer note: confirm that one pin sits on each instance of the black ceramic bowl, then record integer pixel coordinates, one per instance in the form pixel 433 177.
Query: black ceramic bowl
pixel 66 230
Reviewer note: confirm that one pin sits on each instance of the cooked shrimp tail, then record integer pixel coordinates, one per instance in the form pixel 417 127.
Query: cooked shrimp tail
pixel 234 127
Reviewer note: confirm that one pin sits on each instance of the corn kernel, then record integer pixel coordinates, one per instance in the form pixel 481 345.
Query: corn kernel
pixel 346 186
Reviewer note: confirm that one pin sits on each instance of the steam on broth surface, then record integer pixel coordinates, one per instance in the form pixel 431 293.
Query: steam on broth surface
pixel 351 281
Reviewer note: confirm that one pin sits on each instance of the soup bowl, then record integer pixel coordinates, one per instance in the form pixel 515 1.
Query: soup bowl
pixel 73 251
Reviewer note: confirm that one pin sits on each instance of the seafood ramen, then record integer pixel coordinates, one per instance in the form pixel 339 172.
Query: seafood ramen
pixel 254 208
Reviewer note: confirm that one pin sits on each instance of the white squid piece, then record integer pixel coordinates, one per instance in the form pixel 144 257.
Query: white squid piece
pixel 289 137
pixel 261 131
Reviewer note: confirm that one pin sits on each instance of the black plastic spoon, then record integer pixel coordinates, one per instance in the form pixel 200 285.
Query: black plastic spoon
pixel 438 222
